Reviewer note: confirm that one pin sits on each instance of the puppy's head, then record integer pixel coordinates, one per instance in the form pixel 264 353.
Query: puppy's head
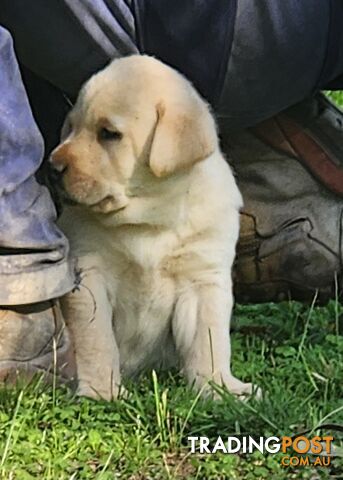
pixel 135 114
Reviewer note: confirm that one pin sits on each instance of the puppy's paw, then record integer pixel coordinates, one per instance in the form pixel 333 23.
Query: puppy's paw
pixel 240 389
pixel 207 387
pixel 86 389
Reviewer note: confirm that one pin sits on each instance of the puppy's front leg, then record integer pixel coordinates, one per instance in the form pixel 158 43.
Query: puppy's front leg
pixel 201 332
pixel 88 314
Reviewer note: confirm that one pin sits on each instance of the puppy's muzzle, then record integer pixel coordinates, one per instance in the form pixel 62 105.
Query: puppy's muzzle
pixel 57 168
pixel 55 173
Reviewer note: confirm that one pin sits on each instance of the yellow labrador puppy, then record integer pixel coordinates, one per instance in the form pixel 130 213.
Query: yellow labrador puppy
pixel 154 226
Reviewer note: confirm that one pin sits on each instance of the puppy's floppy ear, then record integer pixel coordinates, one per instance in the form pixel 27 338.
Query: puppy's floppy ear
pixel 185 133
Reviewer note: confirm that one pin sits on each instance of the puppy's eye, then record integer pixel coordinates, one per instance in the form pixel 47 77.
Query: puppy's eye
pixel 106 135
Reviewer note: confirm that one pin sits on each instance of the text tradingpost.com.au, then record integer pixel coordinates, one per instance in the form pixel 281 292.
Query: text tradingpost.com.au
pixel 297 451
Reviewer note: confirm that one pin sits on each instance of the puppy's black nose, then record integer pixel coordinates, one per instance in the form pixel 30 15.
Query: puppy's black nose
pixel 55 175
pixel 53 181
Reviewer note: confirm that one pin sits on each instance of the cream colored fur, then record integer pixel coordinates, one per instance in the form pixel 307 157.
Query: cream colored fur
pixel 154 229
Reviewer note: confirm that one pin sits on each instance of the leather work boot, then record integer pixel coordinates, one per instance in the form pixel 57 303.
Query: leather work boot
pixel 34 340
pixel 290 172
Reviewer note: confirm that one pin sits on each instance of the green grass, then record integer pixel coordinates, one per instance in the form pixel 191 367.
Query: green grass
pixel 337 97
pixel 294 352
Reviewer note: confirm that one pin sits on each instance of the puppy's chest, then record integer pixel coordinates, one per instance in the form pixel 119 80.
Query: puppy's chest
pixel 141 279
pixel 152 263
pixel 143 300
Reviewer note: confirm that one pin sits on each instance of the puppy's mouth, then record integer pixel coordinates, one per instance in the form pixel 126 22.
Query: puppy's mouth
pixel 107 204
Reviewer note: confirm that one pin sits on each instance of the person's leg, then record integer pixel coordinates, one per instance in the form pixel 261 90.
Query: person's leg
pixel 32 248
pixel 290 171
pixel 34 266
pixel 276 60
pixel 66 41
pixel 289 167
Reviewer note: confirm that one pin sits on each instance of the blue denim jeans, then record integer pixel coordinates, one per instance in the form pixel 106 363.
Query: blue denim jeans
pixel 33 252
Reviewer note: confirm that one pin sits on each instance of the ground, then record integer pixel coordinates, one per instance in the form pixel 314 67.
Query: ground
pixel 293 351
